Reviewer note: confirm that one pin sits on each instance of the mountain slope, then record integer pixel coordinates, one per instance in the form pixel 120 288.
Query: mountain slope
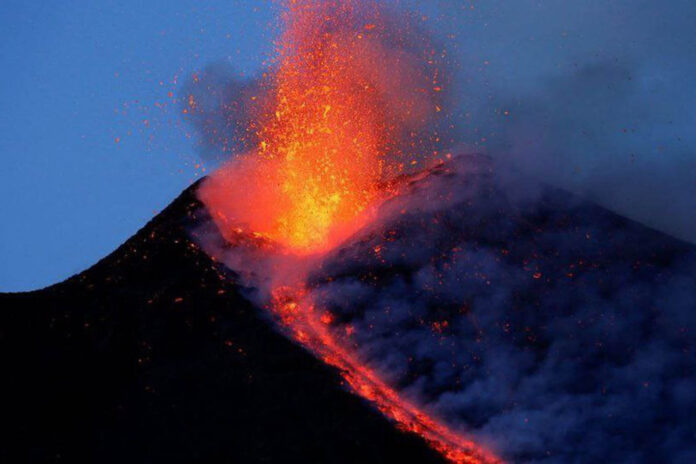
pixel 152 355
pixel 551 329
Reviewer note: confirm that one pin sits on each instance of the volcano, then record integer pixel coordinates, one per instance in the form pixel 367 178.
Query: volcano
pixel 505 307
pixel 152 355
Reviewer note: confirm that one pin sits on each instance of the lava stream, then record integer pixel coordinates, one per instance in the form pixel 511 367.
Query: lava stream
pixel 303 322
pixel 352 85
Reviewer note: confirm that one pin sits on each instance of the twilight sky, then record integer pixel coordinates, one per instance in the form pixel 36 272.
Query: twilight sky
pixel 599 98
pixel 71 193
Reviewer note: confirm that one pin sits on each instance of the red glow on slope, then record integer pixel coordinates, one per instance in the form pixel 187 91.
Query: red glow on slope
pixel 343 90
pixel 309 326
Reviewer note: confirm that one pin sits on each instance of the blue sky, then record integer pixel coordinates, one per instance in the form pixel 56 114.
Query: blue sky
pixel 78 75
pixel 600 98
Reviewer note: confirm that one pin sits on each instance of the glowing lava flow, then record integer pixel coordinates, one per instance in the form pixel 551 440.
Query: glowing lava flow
pixel 346 88
pixel 304 323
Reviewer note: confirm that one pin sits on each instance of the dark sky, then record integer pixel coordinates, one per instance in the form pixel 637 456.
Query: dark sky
pixel 599 98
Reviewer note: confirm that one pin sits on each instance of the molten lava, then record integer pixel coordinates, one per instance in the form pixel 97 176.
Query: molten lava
pixel 345 89
pixel 339 95
pixel 309 326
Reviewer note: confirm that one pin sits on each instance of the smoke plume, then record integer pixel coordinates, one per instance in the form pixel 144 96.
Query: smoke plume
pixel 524 318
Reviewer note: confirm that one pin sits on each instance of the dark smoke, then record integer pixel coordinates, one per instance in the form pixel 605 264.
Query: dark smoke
pixel 221 107
pixel 593 96
pixel 225 108
pixel 598 133
pixel 551 328
pixel 546 326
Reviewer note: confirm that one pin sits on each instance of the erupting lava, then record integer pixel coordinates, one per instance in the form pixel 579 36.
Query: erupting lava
pixel 340 94
pixel 346 89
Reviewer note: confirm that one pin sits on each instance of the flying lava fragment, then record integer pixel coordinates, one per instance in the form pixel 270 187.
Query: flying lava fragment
pixel 350 79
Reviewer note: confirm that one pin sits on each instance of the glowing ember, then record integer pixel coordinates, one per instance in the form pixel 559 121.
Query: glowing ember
pixel 338 96
pixel 344 89
pixel 309 326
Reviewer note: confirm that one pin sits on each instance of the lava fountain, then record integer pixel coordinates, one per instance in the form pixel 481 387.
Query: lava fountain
pixel 352 88
pixel 339 96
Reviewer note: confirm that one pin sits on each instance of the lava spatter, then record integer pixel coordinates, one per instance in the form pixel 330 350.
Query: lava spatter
pixel 349 81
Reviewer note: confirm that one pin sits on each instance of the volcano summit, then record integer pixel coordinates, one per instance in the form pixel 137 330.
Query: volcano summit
pixel 152 355
pixel 517 317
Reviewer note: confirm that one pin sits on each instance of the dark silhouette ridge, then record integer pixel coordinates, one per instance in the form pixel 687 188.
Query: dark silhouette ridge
pixel 152 355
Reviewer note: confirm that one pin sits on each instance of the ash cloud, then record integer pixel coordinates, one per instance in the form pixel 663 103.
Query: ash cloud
pixel 219 104
pixel 613 134
pixel 592 96
pixel 409 68
pixel 549 328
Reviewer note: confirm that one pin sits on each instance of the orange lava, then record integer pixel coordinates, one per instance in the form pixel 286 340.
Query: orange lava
pixel 346 86
pixel 309 326
pixel 338 95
